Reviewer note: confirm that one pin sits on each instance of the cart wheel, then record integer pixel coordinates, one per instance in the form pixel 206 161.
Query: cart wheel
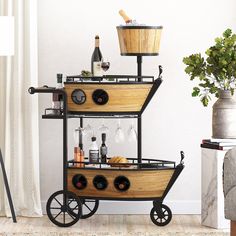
pixel 161 216
pixel 64 208
pixel 89 207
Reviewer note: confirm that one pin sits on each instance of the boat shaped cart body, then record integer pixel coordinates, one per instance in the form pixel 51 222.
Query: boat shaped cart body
pixel 139 180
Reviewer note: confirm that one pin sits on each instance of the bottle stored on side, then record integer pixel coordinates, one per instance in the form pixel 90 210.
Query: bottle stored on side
pixel 93 151
pixel 122 183
pixel 96 60
pixel 103 149
pixel 100 182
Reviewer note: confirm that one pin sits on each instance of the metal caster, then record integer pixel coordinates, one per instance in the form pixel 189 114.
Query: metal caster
pixel 161 215
pixel 64 208
pixel 89 207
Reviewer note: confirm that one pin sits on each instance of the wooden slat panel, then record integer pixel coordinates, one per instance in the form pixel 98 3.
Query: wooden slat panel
pixel 122 97
pixel 143 184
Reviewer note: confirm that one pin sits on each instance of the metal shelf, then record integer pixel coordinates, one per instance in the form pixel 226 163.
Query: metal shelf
pixel 126 79
pixel 97 115
pixel 147 164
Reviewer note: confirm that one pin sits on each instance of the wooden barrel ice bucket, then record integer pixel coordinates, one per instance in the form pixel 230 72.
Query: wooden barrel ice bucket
pixel 139 40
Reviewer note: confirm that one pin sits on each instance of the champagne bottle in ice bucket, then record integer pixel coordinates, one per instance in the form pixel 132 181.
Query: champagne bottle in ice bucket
pixel 126 18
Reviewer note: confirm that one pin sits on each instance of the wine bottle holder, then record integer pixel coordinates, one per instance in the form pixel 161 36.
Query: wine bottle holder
pixel 122 183
pixel 100 182
pixel 100 97
pixel 79 181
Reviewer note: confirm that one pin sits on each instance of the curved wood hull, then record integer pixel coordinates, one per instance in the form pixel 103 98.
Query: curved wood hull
pixel 143 183
pixel 122 97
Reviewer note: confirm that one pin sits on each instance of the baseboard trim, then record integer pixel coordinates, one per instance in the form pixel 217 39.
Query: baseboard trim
pixel 139 208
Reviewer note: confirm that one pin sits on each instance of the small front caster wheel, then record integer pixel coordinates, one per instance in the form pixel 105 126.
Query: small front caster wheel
pixel 64 208
pixel 161 216
pixel 89 207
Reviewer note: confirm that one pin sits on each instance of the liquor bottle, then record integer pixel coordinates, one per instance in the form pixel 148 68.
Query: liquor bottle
pixel 77 156
pixel 57 99
pixel 81 158
pixel 78 148
pixel 93 151
pixel 59 81
pixel 103 149
pixel 96 60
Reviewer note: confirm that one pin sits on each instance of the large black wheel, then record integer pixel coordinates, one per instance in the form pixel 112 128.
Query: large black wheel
pixel 64 208
pixel 89 207
pixel 161 215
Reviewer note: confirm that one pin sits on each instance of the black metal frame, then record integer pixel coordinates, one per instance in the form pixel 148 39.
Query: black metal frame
pixel 46 89
pixel 157 202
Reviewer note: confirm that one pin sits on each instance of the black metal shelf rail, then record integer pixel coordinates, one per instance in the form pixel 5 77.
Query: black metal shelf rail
pixel 110 79
pixel 97 115
pixel 147 163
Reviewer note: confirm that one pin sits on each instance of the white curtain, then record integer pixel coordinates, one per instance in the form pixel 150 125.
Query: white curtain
pixel 19 137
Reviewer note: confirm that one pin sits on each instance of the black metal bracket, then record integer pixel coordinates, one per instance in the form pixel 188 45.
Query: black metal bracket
pixel 153 90
pixel 175 175
pixel 46 89
pixel 7 188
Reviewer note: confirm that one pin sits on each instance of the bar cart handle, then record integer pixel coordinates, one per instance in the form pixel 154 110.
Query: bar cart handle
pixel 33 90
pixel 182 157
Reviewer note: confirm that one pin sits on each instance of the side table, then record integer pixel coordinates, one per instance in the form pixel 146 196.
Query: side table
pixel 212 209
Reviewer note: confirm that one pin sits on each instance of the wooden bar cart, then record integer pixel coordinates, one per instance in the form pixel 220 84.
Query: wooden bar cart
pixel 141 179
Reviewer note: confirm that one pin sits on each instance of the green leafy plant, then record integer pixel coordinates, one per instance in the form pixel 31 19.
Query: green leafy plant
pixel 217 71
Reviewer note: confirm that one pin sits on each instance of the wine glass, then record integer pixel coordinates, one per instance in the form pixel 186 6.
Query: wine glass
pixel 105 65
pixel 88 130
pixel 119 135
pixel 103 128
pixel 132 133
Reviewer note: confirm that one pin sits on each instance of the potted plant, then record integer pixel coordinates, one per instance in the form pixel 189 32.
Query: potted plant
pixel 217 77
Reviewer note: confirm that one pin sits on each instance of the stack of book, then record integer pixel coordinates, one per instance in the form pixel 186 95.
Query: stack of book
pixel 219 144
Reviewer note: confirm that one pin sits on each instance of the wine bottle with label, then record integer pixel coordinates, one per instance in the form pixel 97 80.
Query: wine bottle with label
pixel 103 149
pixel 96 60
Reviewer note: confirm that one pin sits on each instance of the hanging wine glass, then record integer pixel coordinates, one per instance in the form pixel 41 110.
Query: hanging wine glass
pixel 119 134
pixel 132 133
pixel 88 130
pixel 103 128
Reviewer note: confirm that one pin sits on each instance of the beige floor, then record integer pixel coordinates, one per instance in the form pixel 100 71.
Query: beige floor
pixel 104 225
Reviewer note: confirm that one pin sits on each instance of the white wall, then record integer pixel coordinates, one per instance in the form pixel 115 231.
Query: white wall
pixel 173 121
